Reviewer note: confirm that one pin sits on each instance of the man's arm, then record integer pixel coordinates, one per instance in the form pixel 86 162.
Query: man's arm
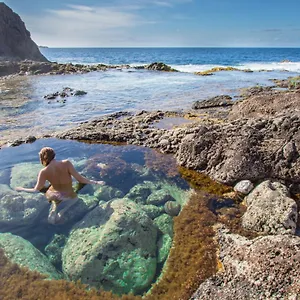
pixel 80 178
pixel 41 180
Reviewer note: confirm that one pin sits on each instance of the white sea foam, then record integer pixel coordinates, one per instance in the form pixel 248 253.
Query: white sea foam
pixel 273 66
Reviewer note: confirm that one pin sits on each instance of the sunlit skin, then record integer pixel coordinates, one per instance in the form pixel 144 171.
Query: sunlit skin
pixel 59 174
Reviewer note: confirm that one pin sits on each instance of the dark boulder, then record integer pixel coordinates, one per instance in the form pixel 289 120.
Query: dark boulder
pixel 159 66
pixel 223 100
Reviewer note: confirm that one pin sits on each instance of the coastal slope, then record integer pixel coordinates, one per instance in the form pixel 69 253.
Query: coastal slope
pixel 15 40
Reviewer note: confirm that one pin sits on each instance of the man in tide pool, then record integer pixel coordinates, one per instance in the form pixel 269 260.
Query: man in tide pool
pixel 60 194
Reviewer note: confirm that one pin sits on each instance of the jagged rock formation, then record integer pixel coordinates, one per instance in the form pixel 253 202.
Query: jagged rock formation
pixel 266 267
pixel 15 41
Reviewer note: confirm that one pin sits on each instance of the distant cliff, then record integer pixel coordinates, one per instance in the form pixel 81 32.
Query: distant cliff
pixel 15 41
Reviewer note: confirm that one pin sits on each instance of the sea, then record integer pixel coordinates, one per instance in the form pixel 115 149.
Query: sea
pixel 24 111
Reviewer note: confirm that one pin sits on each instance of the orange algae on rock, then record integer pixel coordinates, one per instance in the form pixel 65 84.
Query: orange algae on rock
pixel 159 162
pixel 219 69
pixel 202 182
pixel 192 258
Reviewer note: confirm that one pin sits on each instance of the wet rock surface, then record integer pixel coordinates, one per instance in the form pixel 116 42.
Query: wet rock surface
pixel 267 104
pixel 160 66
pixel 64 94
pixel 33 67
pixel 25 254
pixel 223 100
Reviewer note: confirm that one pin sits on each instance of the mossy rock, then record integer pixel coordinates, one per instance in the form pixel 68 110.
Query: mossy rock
pixel 54 249
pixel 159 197
pixel 165 225
pixel 219 69
pixel 140 192
pixel 117 248
pixel 24 175
pixel 25 254
pixel 20 208
pixel 106 193
pixel 152 211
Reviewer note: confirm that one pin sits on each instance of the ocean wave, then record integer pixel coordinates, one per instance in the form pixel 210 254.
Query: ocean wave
pixel 267 66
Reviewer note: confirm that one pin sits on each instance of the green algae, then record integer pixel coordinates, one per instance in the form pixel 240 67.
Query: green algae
pixel 25 254
pixel 221 69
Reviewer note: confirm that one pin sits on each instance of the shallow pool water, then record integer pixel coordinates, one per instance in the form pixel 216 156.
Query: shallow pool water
pixel 24 111
pixel 116 237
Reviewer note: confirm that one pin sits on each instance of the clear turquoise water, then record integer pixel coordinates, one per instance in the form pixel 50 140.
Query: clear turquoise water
pixel 124 169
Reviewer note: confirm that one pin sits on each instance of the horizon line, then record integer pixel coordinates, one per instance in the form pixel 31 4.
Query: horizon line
pixel 176 47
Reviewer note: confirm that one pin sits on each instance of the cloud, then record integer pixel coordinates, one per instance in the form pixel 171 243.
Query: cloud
pixel 272 30
pixel 79 25
pixel 110 24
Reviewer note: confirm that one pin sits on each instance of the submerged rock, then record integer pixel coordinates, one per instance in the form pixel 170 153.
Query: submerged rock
pixel 20 208
pixel 106 193
pixel 165 225
pixel 152 211
pixel 172 208
pixel 263 268
pixel 117 248
pixel 270 210
pixel 24 175
pixel 25 254
pixel 140 192
pixel 159 197
pixel 54 249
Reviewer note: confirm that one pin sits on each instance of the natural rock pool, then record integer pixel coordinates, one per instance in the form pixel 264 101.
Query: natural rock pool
pixel 116 237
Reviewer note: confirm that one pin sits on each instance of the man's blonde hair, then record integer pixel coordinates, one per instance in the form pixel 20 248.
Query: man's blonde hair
pixel 46 155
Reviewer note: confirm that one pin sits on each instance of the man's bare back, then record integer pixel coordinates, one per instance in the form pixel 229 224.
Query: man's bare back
pixel 59 174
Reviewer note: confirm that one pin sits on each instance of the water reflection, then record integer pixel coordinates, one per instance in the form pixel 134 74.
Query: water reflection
pixel 115 237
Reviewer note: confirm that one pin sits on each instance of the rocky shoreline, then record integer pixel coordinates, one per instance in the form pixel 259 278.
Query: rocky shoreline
pixel 258 141
pixel 264 143
pixel 256 138
pixel 27 67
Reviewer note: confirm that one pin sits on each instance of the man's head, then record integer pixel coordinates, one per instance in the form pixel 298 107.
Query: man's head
pixel 47 154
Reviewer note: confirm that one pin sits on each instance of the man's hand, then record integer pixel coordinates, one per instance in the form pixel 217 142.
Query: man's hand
pixel 100 182
pixel 28 190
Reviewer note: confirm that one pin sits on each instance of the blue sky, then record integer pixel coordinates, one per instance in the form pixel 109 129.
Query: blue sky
pixel 161 23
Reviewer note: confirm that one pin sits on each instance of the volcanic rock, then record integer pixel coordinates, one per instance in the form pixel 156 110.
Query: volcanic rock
pixel 223 100
pixel 15 41
pixel 263 268
pixel 270 210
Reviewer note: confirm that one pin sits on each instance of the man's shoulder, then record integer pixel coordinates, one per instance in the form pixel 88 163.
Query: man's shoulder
pixel 65 161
